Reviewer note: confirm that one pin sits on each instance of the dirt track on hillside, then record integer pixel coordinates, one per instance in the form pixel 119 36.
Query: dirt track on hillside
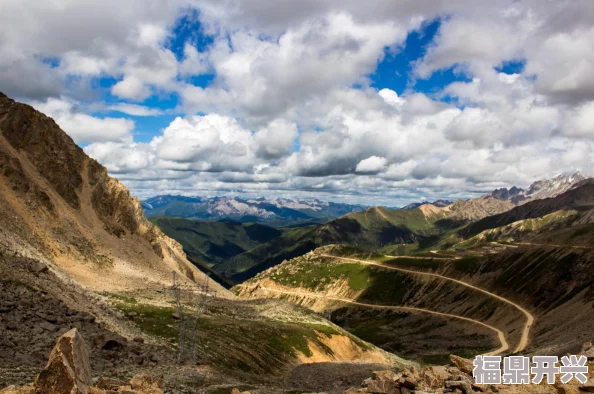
pixel 504 345
pixel 529 317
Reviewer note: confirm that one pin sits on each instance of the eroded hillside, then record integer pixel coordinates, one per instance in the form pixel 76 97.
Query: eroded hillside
pixel 532 294
pixel 59 205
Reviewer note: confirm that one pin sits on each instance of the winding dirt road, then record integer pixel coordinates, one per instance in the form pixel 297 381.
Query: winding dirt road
pixel 529 317
pixel 500 335
pixel 555 245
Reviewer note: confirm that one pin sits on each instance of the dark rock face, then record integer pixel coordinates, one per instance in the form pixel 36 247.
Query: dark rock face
pixel 506 194
pixel 12 170
pixel 112 202
pixel 51 150
pixel 66 168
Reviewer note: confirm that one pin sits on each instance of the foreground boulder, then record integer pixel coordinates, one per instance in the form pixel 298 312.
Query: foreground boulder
pixel 147 384
pixel 462 364
pixel 68 370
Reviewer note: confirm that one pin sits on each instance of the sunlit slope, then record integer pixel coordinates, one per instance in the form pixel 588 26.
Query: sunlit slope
pixel 371 229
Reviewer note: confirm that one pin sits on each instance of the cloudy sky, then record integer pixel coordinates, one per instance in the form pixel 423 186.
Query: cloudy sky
pixel 377 101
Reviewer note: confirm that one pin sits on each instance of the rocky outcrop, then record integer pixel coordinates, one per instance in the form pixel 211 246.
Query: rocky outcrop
pixel 48 148
pixel 58 203
pixel 457 379
pixel 68 370
pixel 462 364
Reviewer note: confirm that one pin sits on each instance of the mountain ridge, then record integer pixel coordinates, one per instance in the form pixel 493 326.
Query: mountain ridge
pixel 280 211
pixel 60 205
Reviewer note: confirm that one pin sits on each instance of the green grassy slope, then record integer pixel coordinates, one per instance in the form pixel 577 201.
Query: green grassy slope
pixel 210 243
pixel 370 230
pixel 263 337
pixel 416 335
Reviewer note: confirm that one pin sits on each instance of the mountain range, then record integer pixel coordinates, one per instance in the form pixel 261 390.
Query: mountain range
pixel 375 229
pixel 277 212
pixel 537 257
pixel 540 189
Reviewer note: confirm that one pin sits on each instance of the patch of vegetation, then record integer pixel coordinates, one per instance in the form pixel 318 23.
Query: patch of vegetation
pixel 316 275
pixel 254 346
pixel 370 330
pixel 387 287
pixel 123 298
pixel 214 242
pixel 154 320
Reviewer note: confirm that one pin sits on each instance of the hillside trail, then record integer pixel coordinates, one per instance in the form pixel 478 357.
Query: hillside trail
pixel 529 317
pixel 555 245
pixel 500 335
pixel 503 245
pixel 424 257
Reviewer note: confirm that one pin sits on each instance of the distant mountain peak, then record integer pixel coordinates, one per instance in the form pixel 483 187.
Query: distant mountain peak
pixel 543 188
pixel 437 203
pixel 278 211
pixel 546 188
pixel 505 193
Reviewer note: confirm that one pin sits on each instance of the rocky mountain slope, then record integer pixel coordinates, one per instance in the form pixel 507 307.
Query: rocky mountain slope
pixel 77 252
pixel 547 188
pixel 277 212
pixel 437 203
pixel 59 205
pixel 580 198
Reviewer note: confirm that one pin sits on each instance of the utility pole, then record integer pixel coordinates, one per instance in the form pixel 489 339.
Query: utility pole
pixel 190 301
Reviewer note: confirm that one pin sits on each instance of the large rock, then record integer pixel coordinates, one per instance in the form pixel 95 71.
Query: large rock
pixel 68 370
pixel 436 376
pixel 146 384
pixel 462 364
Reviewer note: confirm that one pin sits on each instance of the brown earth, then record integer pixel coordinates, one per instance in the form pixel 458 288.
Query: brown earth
pixel 60 206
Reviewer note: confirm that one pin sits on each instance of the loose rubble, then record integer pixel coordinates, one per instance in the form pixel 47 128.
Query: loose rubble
pixel 31 321
pixel 68 371
pixel 457 379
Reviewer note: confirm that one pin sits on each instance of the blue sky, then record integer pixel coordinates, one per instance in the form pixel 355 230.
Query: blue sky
pixel 394 71
pixel 383 102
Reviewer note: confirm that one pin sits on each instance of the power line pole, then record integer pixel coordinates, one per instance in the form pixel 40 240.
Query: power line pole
pixel 190 302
